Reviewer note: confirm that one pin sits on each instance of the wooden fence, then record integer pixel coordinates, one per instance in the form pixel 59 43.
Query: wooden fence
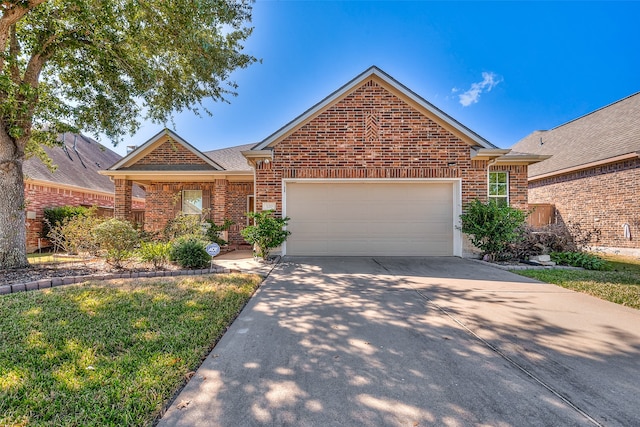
pixel 542 214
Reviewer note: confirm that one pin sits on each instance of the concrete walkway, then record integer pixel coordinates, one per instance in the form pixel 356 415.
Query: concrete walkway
pixel 416 342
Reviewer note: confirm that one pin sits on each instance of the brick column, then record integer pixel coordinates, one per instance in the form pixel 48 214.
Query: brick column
pixel 123 190
pixel 219 200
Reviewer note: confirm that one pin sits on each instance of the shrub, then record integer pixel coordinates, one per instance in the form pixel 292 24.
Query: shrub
pixel 186 226
pixel 267 233
pixel 74 234
pixel 580 259
pixel 491 227
pixel 189 252
pixel 213 232
pixel 156 253
pixel 56 216
pixel 117 238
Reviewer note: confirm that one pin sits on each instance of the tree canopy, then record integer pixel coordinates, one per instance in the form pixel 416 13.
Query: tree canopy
pixel 102 66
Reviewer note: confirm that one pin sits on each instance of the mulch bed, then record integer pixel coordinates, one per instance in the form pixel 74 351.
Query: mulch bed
pixel 69 269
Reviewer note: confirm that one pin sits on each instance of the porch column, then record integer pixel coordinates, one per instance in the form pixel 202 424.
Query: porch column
pixel 122 202
pixel 219 201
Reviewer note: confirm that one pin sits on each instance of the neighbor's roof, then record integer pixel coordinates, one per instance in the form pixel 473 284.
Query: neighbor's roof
pixel 231 158
pixel 606 133
pixel 77 166
pixel 357 82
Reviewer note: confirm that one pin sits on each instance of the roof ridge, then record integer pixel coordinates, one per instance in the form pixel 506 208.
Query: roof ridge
pixel 594 111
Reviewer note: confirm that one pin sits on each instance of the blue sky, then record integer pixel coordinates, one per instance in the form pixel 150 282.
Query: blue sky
pixel 503 69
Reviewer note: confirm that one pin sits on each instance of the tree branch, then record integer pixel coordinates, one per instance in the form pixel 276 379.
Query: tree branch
pixel 14 53
pixel 10 16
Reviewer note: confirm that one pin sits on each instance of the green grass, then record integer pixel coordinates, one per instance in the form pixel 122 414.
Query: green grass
pixel 620 285
pixel 109 353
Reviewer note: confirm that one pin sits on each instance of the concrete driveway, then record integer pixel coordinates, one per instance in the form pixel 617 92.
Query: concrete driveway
pixel 416 342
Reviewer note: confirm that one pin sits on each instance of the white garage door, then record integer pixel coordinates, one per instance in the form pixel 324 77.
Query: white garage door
pixel 366 219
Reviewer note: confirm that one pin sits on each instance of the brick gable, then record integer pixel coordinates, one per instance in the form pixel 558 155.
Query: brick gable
pixel 170 153
pixel 373 133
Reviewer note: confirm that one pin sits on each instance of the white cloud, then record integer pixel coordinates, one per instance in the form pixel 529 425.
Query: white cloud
pixel 489 81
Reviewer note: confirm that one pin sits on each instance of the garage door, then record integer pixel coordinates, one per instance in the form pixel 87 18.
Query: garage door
pixel 366 219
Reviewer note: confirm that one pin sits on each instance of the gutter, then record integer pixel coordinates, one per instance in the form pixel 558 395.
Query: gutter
pixel 628 156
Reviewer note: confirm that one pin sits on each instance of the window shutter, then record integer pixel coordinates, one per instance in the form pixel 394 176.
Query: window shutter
pixel 206 202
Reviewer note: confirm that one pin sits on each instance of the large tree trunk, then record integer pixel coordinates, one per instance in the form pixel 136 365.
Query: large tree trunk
pixel 13 238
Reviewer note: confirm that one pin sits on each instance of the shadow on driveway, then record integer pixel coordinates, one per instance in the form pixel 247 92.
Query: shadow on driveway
pixel 415 342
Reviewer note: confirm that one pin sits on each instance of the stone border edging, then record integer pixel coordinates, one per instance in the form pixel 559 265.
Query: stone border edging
pixel 508 267
pixel 69 280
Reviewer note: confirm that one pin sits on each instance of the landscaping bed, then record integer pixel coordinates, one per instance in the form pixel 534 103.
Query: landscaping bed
pixel 110 353
pixel 64 266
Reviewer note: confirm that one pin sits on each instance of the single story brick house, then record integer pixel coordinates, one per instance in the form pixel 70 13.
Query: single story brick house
pixel 593 175
pixel 372 169
pixel 74 182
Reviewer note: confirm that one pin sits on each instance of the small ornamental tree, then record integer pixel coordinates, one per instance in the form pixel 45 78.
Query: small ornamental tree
pixel 492 227
pixel 267 232
pixel 118 238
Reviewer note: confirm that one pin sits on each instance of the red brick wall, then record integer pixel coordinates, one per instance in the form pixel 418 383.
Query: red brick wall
pixel 604 197
pixel 164 202
pixel 39 197
pixel 170 153
pixel 372 133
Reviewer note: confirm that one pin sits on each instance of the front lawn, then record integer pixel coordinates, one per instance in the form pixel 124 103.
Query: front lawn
pixel 620 285
pixel 109 353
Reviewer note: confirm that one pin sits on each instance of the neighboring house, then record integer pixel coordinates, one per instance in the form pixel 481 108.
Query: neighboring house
pixel 593 176
pixel 373 169
pixel 75 182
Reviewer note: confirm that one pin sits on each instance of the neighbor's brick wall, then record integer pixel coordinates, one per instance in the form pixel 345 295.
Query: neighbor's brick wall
pixel 39 197
pixel 372 133
pixel 604 197
pixel 164 202
pixel 170 153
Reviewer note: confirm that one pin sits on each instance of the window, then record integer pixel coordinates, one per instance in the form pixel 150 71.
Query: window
pixel 192 202
pixel 499 187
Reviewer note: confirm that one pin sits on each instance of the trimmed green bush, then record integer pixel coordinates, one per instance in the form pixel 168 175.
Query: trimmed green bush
pixel 190 253
pixel 580 259
pixel 267 233
pixel 156 253
pixel 118 238
pixel 491 227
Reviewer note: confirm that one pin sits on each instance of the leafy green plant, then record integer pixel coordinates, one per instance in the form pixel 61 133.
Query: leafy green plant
pixel 580 259
pixel 74 234
pixel 118 238
pixel 55 216
pixel 156 253
pixel 267 232
pixel 189 252
pixel 491 227
pixel 213 232
pixel 184 225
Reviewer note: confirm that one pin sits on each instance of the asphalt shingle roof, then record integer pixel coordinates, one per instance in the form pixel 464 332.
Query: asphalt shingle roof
pixel 611 131
pixel 231 158
pixel 77 167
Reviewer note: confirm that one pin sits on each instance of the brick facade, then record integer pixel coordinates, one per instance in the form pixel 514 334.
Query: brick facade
pixel 39 197
pixel 603 197
pixel 171 153
pixel 372 133
pixel 221 199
